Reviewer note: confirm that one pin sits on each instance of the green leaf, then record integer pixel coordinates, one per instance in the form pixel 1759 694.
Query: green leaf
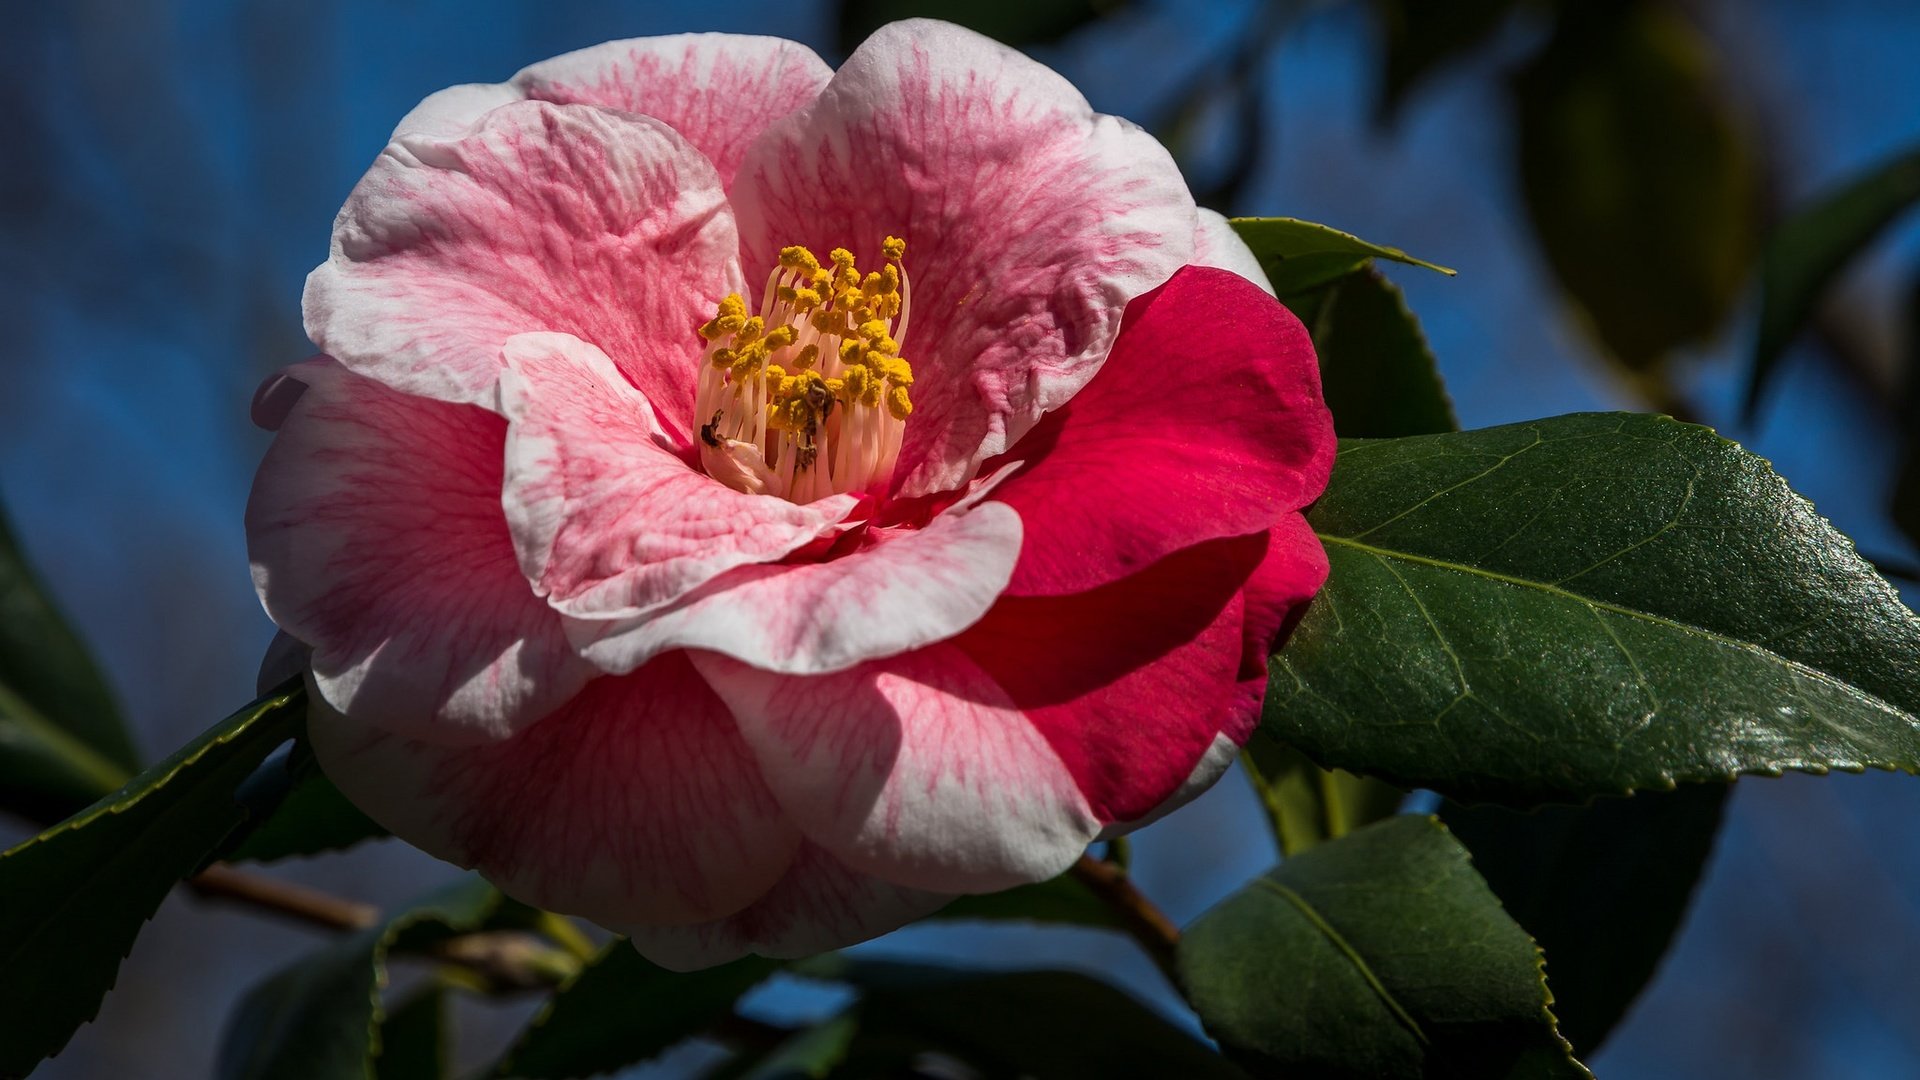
pixel 1810 248
pixel 1376 371
pixel 1309 805
pixel 1601 888
pixel 1011 1023
pixel 621 1010
pixel 1062 900
pixel 1643 194
pixel 413 1041
pixel 62 742
pixel 809 1055
pixel 1422 37
pixel 1300 255
pixel 73 898
pixel 312 817
pixel 1589 605
pixel 1381 954
pixel 1030 22
pixel 320 1018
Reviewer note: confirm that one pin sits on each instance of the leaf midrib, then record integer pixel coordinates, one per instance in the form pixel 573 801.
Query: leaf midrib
pixel 1646 616
pixel 1352 954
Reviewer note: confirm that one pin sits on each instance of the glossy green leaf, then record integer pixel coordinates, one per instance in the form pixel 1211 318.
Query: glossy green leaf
pixel 1641 188
pixel 621 1009
pixel 1379 377
pixel 1309 805
pixel 1601 888
pixel 1029 22
pixel 1421 37
pixel 1010 1023
pixel 414 1040
pixel 321 1017
pixel 1062 900
pixel 1301 255
pixel 1589 605
pixel 313 816
pixel 1810 249
pixel 1379 955
pixel 73 898
pixel 62 742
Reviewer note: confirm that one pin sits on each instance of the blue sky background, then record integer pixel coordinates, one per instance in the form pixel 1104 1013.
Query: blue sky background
pixel 171 173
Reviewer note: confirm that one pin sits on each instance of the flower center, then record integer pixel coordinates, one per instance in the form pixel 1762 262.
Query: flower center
pixel 808 398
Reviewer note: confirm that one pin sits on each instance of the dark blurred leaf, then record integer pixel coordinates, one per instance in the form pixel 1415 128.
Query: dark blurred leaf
pixel 1310 805
pixel 809 1055
pixel 1380 955
pixel 1027 22
pixel 1058 900
pixel 413 1041
pixel 622 1009
pixel 1012 1023
pixel 1589 605
pixel 1905 510
pixel 1601 888
pixel 1379 377
pixel 62 742
pixel 1810 248
pixel 1422 36
pixel 1642 192
pixel 1300 255
pixel 320 1018
pixel 73 898
pixel 312 817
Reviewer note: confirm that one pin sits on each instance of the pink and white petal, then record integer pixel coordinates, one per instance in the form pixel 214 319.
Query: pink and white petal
pixel 1216 244
pixel 1131 682
pixel 273 399
pixel 916 768
pixel 376 536
pixel 637 801
pixel 820 905
pixel 1277 597
pixel 451 113
pixel 607 519
pixel 1030 222
pixel 1213 764
pixel 912 589
pixel 1206 421
pixel 569 218
pixel 718 90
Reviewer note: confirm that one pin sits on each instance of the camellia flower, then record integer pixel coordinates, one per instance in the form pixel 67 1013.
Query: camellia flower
pixel 765 614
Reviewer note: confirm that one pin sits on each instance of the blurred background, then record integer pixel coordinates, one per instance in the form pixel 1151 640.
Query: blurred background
pixel 1603 175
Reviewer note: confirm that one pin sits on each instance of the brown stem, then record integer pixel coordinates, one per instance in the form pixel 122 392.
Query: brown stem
pixel 1144 920
pixel 311 906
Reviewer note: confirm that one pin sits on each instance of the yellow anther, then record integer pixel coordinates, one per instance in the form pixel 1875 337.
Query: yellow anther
pixel 898 403
pixel 893 247
pixel 798 258
pixel 853 352
pixel 874 331
pixel 750 332
pixel 730 316
pixel 841 258
pixel 781 336
pixel 807 358
pixel 889 279
pixel 855 382
pixel 872 285
pixel 724 358
pixel 897 371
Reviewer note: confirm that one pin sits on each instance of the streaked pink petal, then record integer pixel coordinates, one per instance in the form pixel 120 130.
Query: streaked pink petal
pixel 718 90
pixel 376 536
pixel 608 520
pixel 1030 222
pixel 1130 682
pixel 913 589
pixel 917 768
pixel 1216 244
pixel 637 801
pixel 819 906
pixel 451 113
pixel 569 218
pixel 1277 597
pixel 1188 434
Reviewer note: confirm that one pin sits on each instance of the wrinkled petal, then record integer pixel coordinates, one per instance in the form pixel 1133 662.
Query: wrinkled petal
pixel 1129 683
pixel 916 768
pixel 1030 222
pixel 607 519
pixel 1216 244
pixel 451 113
pixel 717 90
pixel 1206 421
pixel 637 801
pixel 568 218
pixel 376 536
pixel 819 906
pixel 914 589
